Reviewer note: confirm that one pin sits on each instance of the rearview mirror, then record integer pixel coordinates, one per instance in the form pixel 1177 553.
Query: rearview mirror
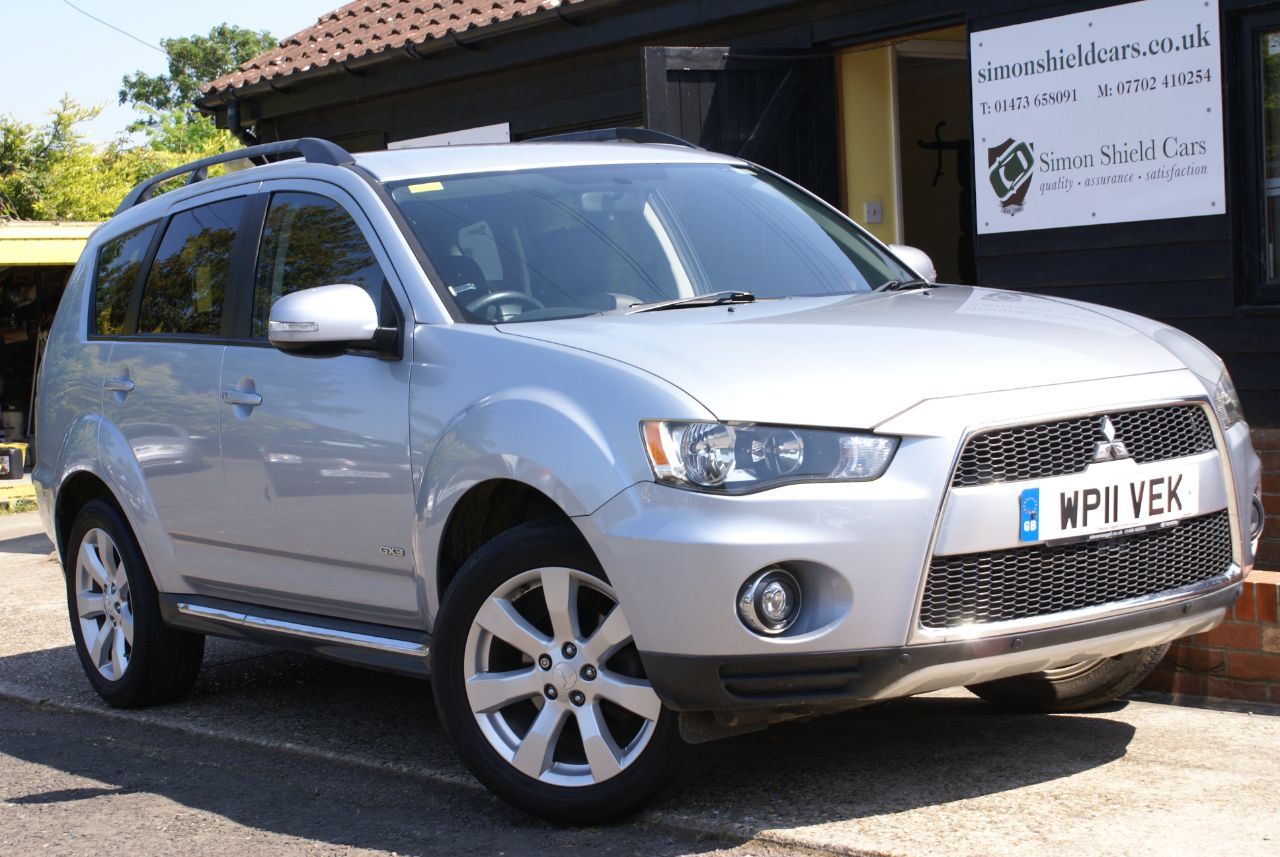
pixel 335 315
pixel 917 260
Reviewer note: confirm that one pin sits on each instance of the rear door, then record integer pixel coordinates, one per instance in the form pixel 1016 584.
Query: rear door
pixel 316 449
pixel 161 390
pixel 774 107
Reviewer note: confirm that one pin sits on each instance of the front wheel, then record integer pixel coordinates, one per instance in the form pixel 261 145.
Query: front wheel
pixel 538 682
pixel 1074 687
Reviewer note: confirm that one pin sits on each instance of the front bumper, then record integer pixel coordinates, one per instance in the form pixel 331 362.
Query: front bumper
pixel 835 680
pixel 677 560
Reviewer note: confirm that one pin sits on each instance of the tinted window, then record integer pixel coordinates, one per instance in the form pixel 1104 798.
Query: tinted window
pixel 188 280
pixel 310 241
pixel 119 262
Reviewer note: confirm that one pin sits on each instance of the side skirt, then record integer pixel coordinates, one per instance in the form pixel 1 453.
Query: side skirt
pixel 380 647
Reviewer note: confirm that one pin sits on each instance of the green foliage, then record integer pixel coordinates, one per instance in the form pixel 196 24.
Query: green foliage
pixel 170 119
pixel 51 172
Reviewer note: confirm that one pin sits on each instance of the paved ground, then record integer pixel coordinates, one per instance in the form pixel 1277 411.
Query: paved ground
pixel 280 753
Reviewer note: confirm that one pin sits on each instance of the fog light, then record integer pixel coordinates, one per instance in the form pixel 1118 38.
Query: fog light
pixel 769 602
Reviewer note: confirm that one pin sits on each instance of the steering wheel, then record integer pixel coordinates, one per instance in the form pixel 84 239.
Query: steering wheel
pixel 498 297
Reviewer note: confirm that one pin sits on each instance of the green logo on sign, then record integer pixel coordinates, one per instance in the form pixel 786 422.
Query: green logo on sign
pixel 1012 164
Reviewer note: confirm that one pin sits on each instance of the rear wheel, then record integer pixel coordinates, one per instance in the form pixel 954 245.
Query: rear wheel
pixel 538 682
pixel 1074 687
pixel 131 657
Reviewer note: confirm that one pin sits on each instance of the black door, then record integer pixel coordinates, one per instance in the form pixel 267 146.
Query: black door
pixel 777 108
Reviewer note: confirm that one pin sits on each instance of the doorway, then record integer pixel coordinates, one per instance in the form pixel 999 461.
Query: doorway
pixel 905 138
pixel 934 131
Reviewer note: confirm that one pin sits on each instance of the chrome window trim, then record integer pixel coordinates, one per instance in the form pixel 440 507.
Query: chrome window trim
pixel 919 634
pixel 309 632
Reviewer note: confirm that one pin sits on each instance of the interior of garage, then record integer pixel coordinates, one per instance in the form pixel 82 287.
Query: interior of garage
pixel 36 260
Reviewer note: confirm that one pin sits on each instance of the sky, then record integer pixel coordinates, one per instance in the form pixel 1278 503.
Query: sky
pixel 49 48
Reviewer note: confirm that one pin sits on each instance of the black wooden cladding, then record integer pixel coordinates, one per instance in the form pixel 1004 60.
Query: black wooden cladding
pixel 776 108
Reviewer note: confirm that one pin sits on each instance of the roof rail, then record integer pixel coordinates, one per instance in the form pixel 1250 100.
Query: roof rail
pixel 616 135
pixel 314 150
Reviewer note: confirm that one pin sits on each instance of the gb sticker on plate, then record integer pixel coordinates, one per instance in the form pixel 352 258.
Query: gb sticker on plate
pixel 1029 515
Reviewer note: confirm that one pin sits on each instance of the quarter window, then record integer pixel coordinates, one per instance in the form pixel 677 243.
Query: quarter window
pixel 119 264
pixel 187 283
pixel 307 241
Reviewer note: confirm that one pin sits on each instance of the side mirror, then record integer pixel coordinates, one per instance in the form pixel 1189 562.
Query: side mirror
pixel 917 260
pixel 331 316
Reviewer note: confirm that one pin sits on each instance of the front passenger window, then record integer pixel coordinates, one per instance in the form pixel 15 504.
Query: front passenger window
pixel 307 241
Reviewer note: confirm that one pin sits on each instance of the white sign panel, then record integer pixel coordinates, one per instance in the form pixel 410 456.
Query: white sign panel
pixel 1099 117
pixel 500 133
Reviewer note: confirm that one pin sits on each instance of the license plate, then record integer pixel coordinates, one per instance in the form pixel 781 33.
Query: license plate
pixel 1094 505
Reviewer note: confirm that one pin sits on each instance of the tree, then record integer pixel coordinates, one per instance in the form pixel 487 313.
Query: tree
pixel 51 172
pixel 170 119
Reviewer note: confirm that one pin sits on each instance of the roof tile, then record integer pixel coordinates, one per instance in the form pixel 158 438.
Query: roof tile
pixel 373 27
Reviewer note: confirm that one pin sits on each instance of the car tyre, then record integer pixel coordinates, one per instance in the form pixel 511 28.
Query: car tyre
pixel 131 657
pixel 538 683
pixel 1074 687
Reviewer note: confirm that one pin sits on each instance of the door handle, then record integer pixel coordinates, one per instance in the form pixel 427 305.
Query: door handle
pixel 119 385
pixel 240 397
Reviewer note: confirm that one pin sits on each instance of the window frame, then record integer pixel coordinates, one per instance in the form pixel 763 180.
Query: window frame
pixel 240 332
pixel 91 316
pixel 1249 217
pixel 234 276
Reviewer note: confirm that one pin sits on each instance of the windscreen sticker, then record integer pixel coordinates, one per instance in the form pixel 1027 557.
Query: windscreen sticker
pixel 425 187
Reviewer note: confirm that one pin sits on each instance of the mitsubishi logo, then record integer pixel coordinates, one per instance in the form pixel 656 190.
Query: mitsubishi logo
pixel 1109 449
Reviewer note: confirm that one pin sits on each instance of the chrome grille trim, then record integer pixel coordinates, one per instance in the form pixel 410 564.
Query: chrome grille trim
pixel 1028 583
pixel 1061 447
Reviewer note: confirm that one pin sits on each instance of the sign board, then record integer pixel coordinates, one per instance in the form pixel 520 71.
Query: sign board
pixel 500 133
pixel 1107 116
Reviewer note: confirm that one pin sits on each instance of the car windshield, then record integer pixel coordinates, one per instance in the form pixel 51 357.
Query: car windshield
pixel 572 241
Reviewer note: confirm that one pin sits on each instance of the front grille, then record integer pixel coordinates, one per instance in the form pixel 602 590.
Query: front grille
pixel 999 586
pixel 1066 446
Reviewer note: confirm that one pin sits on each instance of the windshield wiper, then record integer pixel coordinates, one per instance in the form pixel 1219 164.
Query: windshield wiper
pixel 712 299
pixel 903 285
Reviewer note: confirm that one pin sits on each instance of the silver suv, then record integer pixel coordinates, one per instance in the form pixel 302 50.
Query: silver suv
pixel 624 444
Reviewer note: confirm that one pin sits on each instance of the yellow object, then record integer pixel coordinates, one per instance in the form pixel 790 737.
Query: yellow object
pixel 868 121
pixel 424 187
pixel 42 243
pixel 14 491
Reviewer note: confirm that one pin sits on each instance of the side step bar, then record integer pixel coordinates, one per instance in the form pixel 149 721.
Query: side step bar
pixel 393 649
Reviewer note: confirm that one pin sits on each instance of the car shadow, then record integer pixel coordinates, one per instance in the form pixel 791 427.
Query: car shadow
pixel 37 543
pixel 891 759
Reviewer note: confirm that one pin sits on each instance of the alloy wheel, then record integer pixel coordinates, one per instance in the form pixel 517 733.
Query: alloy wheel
pixel 104 605
pixel 554 681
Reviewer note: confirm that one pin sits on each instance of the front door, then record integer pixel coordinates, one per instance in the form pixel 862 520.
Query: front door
pixel 316 449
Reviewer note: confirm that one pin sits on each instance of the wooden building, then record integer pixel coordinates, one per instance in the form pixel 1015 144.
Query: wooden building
pixel 868 104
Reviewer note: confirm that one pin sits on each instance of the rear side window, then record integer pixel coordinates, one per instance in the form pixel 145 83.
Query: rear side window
pixel 119 263
pixel 187 282
pixel 307 241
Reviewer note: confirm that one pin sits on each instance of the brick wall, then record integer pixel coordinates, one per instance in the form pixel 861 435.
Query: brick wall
pixel 1267 442
pixel 1239 659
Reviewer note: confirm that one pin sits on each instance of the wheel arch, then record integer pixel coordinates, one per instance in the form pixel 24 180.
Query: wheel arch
pixel 77 491
pixel 487 509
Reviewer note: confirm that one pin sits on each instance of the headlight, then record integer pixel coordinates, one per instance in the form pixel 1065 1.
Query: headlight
pixel 1226 401
pixel 741 458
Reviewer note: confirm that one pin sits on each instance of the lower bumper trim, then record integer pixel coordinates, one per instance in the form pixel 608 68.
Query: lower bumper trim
pixel 833 680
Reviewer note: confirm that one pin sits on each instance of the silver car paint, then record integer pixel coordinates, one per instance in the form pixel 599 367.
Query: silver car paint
pixel 556 405
pixel 853 362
